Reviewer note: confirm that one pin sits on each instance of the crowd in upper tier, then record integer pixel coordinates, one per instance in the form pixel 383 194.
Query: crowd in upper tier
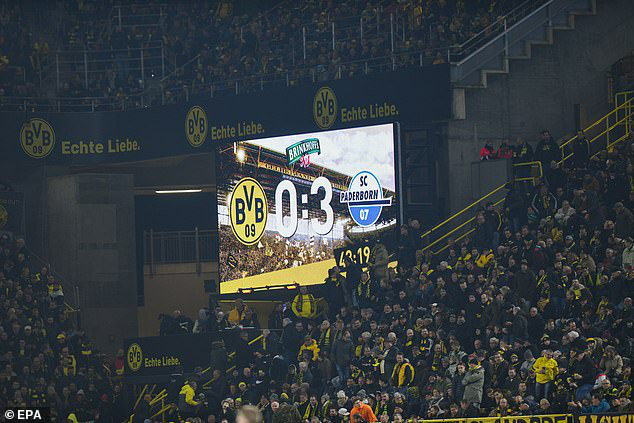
pixel 230 40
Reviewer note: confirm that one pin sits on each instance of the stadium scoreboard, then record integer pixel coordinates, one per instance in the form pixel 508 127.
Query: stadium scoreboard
pixel 287 205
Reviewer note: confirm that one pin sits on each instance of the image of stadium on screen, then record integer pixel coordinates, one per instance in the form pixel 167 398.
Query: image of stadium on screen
pixel 285 203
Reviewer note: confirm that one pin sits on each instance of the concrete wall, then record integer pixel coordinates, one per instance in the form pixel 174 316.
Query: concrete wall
pixel 170 287
pixel 32 180
pixel 541 92
pixel 91 242
pixel 178 286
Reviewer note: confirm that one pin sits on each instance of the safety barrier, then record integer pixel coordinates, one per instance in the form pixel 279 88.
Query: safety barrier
pixel 603 134
pixel 544 418
pixel 442 228
pixel 162 395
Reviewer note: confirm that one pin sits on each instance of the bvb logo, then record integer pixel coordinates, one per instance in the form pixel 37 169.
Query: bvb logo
pixel 325 107
pixel 135 357
pixel 196 126
pixel 248 211
pixel 4 216
pixel 37 138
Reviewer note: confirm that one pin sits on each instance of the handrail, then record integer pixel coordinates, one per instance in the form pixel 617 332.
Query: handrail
pixel 627 104
pixel 487 32
pixel 475 203
pixel 479 201
pixel 386 62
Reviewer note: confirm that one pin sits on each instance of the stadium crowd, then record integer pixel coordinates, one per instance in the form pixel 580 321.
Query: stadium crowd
pixel 273 253
pixel 45 359
pixel 228 40
pixel 530 314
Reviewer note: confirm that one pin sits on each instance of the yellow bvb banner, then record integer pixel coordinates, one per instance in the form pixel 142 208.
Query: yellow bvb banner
pixel 606 418
pixel 550 418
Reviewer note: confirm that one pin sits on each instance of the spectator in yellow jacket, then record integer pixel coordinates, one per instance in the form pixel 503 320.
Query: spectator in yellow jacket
pixel 546 369
pixel 403 373
pixel 309 348
pixel 304 304
pixel 237 312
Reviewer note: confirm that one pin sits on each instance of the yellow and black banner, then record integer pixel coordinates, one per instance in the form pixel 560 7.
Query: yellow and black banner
pixel 412 97
pixel 164 355
pixel 606 418
pixel 546 418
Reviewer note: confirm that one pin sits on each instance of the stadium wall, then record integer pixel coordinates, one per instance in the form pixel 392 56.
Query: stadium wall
pixel 173 286
pixel 91 240
pixel 541 92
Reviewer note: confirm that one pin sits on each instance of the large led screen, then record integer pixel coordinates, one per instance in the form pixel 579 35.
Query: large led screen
pixel 285 203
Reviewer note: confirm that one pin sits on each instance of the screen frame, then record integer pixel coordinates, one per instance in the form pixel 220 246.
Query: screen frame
pixel 398 181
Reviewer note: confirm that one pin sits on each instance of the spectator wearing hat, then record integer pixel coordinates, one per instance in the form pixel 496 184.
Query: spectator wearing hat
pixel 473 382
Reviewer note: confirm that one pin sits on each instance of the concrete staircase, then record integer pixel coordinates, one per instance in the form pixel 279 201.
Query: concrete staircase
pixel 516 42
pixel 549 70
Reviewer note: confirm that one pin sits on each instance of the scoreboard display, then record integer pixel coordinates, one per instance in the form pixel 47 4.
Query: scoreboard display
pixel 287 205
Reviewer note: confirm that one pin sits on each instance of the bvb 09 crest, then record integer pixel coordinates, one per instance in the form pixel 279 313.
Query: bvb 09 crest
pixel 196 126
pixel 37 138
pixel 325 107
pixel 248 211
pixel 134 357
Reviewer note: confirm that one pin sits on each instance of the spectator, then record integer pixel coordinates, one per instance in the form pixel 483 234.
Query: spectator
pixel 522 152
pixel 362 413
pixel 545 368
pixel 473 382
pixel 304 305
pixel 628 253
pixel 624 222
pixel 505 151
pixel 487 152
pixel 547 150
pixel 236 314
pixel 343 355
pixel 186 402
pixel 544 203
pixel 581 151
pixel 564 213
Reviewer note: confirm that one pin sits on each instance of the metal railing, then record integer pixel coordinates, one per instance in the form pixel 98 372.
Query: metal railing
pixel 450 226
pixel 167 88
pixel 603 134
pixel 497 40
pixel 144 62
pixel 197 246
